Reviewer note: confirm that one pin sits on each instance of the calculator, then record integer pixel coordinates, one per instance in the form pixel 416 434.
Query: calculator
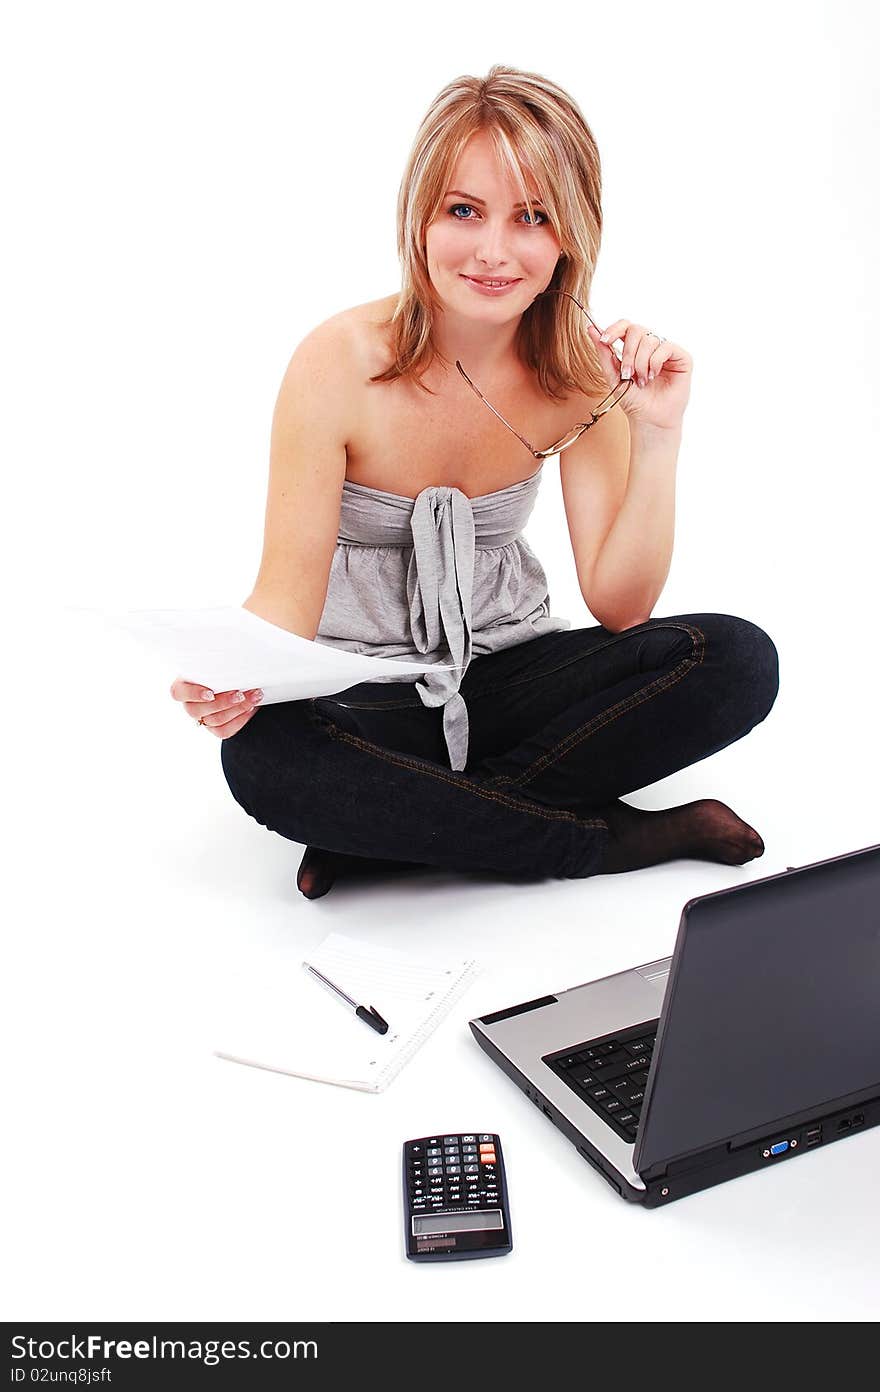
pixel 455 1197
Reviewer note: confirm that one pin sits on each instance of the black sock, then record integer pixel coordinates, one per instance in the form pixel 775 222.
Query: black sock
pixel 702 830
pixel 319 869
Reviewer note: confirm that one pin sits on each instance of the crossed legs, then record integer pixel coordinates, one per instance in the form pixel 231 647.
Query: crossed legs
pixel 566 723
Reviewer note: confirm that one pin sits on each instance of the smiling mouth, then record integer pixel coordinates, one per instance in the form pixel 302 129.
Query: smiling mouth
pixel 483 280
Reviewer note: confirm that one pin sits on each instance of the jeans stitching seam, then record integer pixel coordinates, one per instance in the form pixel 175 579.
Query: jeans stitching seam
pixel 598 722
pixel 653 624
pixel 578 657
pixel 376 705
pixel 558 815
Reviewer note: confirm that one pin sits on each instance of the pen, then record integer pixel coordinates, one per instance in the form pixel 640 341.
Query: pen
pixel 367 1013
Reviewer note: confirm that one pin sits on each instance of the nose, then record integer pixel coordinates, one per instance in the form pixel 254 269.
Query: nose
pixel 491 248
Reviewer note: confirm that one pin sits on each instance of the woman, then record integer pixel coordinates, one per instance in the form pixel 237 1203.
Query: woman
pixel 399 486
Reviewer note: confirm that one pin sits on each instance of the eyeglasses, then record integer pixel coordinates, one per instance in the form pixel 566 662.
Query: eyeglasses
pixel 576 430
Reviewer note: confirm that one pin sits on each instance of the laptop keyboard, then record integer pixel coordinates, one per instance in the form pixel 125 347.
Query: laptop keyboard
pixel 610 1074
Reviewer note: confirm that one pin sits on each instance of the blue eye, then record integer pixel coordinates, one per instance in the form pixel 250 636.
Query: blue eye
pixel 525 213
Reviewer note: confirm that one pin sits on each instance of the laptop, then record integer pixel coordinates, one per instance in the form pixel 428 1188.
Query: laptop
pixel 757 1041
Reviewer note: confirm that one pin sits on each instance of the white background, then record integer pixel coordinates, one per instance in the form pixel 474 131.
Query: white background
pixel 195 186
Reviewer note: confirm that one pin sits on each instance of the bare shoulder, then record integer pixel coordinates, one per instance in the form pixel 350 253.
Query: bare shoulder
pixel 348 347
pixel 368 326
pixel 326 371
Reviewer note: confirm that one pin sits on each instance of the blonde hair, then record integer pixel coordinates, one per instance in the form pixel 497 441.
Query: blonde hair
pixel 535 125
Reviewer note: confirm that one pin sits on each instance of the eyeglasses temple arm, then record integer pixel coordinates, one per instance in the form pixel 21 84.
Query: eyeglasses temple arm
pixel 599 412
pixel 534 452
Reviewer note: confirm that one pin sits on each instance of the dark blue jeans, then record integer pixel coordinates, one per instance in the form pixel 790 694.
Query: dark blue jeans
pixel 559 726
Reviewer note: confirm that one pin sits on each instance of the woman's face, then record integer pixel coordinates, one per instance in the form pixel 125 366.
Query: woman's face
pixel 480 232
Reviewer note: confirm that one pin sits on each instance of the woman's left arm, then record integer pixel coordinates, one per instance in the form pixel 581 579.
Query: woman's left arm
pixel 632 566
pixel 628 569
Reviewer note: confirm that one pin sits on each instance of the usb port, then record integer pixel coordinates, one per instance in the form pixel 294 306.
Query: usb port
pixel 779 1147
pixel 814 1136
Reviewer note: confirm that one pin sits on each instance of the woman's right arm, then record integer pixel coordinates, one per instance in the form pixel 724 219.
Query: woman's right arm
pixel 311 427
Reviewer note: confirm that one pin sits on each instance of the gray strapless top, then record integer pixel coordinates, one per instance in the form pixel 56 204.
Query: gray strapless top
pixel 442 577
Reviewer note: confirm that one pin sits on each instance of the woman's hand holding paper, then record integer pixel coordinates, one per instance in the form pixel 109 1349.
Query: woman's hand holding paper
pixel 223 713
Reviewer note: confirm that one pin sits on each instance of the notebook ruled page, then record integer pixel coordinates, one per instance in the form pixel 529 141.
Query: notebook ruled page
pixel 277 1015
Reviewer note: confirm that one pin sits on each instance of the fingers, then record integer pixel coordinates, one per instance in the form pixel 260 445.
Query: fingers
pixel 231 727
pixel 224 713
pixel 639 350
pixel 615 330
pixel 642 357
pixel 190 691
pixel 225 705
pixel 608 359
pixel 661 354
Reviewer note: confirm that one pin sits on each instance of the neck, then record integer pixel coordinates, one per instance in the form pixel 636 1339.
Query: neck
pixel 482 349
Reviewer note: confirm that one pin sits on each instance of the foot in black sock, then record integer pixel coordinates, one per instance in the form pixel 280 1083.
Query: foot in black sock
pixel 703 830
pixel 319 869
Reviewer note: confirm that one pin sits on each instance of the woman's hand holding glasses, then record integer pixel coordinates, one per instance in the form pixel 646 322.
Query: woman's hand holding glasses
pixel 660 373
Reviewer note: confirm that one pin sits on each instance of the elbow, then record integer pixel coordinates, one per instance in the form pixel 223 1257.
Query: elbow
pixel 609 610
pixel 622 628
pixel 615 624
pixel 278 608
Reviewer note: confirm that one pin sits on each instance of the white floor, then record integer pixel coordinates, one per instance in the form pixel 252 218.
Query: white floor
pixel 154 1181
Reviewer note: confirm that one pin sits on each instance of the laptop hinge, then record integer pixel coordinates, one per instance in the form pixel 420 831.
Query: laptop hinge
pixel 697 1160
pixel 684 1163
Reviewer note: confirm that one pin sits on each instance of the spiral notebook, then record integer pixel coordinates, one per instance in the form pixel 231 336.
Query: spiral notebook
pixel 276 1015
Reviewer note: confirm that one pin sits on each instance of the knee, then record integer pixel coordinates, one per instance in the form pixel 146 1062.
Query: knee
pixel 246 758
pixel 272 770
pixel 748 659
pixel 238 770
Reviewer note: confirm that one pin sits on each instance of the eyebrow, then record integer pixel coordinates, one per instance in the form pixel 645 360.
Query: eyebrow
pixel 472 198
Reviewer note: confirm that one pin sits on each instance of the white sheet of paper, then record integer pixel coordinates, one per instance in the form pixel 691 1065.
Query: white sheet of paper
pixel 230 648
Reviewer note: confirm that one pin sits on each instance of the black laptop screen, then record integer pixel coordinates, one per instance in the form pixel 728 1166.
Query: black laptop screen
pixel 773 1007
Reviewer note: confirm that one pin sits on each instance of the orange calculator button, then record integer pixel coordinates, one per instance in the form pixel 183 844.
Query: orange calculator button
pixel 488 1158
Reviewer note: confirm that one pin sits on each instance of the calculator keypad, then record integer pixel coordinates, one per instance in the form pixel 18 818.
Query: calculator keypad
pixel 449 1172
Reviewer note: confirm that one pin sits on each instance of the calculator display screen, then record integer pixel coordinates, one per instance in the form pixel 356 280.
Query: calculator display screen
pixel 425 1224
